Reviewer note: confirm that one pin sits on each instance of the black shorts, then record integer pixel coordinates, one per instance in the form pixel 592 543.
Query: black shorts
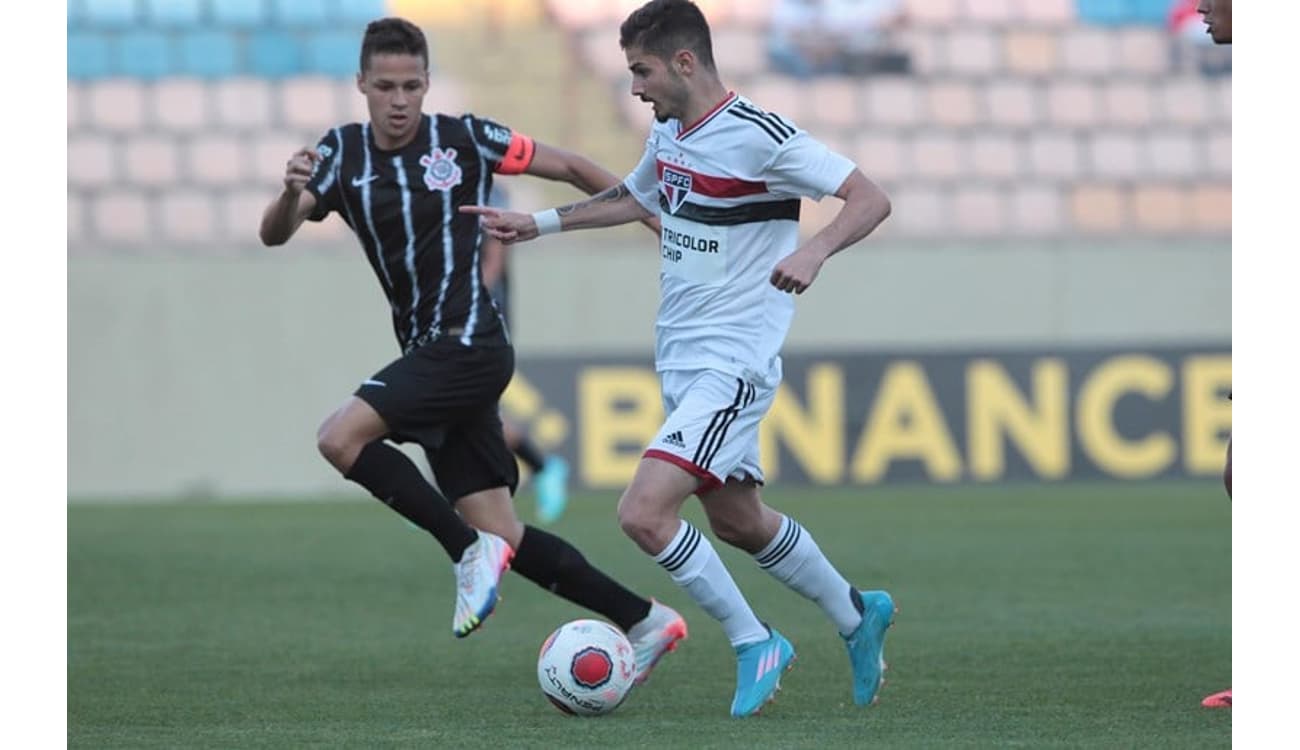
pixel 445 397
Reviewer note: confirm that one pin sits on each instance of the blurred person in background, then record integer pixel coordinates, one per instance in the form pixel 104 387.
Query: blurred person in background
pixel 1217 15
pixel 397 181
pixel 807 38
pixel 550 474
pixel 725 178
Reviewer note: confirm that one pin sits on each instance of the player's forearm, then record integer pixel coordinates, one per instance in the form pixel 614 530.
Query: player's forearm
pixel 865 207
pixel 280 219
pixel 610 208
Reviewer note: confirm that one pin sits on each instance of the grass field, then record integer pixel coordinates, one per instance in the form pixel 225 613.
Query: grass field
pixel 1034 616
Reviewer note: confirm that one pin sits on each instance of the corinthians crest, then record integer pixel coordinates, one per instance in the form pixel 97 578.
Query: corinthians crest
pixel 441 172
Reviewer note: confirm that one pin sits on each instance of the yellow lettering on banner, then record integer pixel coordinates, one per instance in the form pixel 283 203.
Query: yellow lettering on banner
pixel 1207 413
pixel 905 423
pixel 995 407
pixel 619 412
pixel 815 436
pixel 521 399
pixel 1114 454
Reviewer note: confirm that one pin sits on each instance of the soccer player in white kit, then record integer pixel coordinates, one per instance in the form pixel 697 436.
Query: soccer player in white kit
pixel 725 178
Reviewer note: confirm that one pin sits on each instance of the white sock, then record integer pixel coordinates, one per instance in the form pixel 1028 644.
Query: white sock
pixel 793 558
pixel 696 567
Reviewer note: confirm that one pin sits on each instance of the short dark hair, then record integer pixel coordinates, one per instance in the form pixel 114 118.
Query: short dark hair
pixel 661 27
pixel 396 36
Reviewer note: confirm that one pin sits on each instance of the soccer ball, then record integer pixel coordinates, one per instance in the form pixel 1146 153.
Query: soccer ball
pixel 586 667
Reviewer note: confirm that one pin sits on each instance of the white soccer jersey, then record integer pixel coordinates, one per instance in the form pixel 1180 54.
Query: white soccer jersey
pixel 727 191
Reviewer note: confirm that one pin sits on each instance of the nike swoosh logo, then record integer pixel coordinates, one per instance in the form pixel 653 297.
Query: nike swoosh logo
pixel 359 181
pixel 372 381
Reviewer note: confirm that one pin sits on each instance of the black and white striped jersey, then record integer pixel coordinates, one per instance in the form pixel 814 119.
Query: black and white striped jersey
pixel 727 190
pixel 403 205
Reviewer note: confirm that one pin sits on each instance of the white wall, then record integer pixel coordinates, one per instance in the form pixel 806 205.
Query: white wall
pixel 210 376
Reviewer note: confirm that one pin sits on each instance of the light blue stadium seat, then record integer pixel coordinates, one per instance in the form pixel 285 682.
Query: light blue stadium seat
pixel 361 12
pixel 302 13
pixel 274 54
pixel 334 53
pixel 88 55
pixel 242 14
pixel 1122 12
pixel 76 13
pixel 110 14
pixel 174 14
pixel 208 54
pixel 143 54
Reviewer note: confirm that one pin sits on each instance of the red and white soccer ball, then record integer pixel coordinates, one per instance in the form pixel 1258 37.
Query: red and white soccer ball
pixel 586 667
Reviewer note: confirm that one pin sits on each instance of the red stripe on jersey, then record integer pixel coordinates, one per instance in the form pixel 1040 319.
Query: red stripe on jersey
pixel 731 97
pixel 715 187
pixel 518 156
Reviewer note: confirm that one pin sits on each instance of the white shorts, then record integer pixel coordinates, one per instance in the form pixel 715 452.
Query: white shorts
pixel 712 425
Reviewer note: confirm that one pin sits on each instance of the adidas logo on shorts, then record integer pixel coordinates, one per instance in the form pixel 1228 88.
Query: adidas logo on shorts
pixel 675 439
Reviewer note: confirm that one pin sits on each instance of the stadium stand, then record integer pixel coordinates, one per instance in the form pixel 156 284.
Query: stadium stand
pixel 1027 118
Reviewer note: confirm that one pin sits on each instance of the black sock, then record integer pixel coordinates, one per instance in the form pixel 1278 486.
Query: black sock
pixel 390 476
pixel 554 564
pixel 530 455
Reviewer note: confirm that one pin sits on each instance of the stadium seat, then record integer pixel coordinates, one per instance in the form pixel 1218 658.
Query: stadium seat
pixel 360 12
pixel 1103 12
pixel 76 220
pixel 143 54
pixel 187 216
pixel 880 156
pixel 973 52
pixel 274 54
pixel 1072 102
pixel 953 103
pixel 181 104
pixel 216 159
pixel 893 101
pixel 1127 101
pixel 979 211
pixel 1013 102
pixel 243 103
pixel 1171 155
pixel 240 14
pixel 110 14
pixel 208 54
pixel 122 216
pixel 151 160
pixel 88 55
pixel 1161 208
pixel 933 12
pixel 1114 155
pixel 937 156
pixel 333 53
pixel 1031 51
pixel 1143 51
pixel 90 161
pixel 309 103
pixel 995 156
pixel 117 105
pixel 76 13
pixel 1212 207
pixel 174 14
pixel 1055 155
pixel 299 14
pixel 1034 210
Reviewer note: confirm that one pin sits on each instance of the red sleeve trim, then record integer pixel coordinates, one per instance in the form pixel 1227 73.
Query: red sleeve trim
pixel 708 482
pixel 518 156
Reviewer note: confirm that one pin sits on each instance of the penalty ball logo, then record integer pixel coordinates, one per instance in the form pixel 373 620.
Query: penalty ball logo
pixel 676 186
pixel 591 667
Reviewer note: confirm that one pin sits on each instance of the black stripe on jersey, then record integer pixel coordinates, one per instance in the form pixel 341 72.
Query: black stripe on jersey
pixel 782 127
pixel 760 122
pixel 726 216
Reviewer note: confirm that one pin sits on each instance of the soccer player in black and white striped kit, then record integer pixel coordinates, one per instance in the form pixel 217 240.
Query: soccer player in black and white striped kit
pixel 398 181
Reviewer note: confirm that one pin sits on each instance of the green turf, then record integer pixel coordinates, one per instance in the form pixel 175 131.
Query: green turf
pixel 1035 616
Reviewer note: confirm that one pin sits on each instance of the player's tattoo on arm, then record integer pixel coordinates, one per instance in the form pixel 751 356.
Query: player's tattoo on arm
pixel 613 195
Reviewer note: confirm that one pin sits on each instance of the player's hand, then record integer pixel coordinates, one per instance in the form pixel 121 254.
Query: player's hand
pixel 507 226
pixel 796 271
pixel 299 169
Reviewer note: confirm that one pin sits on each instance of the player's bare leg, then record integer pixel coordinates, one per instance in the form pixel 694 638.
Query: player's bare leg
pixel 650 513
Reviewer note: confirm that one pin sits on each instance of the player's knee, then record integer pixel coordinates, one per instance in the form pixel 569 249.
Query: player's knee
pixel 336 446
pixel 638 519
pixel 733 531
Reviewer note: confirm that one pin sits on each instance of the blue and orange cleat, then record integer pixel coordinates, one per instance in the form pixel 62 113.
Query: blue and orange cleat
pixel 759 667
pixel 866 646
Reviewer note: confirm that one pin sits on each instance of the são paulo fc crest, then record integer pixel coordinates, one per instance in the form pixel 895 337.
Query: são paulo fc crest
pixel 441 172
pixel 676 186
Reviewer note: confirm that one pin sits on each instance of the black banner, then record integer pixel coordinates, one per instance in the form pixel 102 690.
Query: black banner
pixel 861 419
